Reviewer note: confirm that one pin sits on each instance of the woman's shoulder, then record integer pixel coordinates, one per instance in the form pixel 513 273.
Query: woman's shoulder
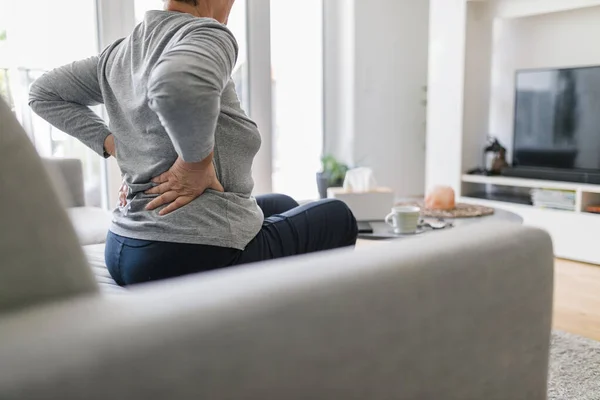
pixel 206 25
pixel 198 30
pixel 172 23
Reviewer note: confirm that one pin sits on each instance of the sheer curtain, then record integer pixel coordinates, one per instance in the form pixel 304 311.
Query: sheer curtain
pixel 36 36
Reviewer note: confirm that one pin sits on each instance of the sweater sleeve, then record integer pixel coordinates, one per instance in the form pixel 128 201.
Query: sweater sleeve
pixel 185 88
pixel 63 96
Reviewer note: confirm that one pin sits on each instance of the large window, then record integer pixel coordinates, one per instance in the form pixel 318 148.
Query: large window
pixel 297 68
pixel 278 76
pixel 36 36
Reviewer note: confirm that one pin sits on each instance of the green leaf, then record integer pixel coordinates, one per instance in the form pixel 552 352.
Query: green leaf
pixel 335 170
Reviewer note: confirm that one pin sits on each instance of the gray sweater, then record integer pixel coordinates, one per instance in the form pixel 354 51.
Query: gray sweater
pixel 168 91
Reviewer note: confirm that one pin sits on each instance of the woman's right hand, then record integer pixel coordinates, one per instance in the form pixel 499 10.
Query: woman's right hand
pixel 109 145
pixel 183 183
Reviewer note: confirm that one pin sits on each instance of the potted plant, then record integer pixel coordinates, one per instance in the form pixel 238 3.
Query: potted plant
pixel 332 174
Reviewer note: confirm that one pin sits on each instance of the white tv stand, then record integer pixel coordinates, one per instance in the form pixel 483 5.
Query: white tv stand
pixel 575 234
pixel 475 48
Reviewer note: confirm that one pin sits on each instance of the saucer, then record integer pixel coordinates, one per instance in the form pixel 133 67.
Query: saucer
pixel 419 230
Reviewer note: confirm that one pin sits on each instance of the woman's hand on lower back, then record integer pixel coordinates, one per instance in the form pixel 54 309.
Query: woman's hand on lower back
pixel 123 191
pixel 183 183
pixel 109 145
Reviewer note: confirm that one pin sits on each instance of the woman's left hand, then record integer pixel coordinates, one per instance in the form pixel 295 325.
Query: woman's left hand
pixel 182 184
pixel 123 191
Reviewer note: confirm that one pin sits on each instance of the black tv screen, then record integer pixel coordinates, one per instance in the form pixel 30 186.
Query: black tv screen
pixel 557 118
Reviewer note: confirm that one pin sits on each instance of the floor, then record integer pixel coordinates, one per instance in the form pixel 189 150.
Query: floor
pixel 576 297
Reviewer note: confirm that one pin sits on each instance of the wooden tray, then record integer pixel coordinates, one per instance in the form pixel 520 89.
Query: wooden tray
pixel 462 210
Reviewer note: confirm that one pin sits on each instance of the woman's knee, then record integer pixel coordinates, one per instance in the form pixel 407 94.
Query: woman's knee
pixel 273 204
pixel 286 201
pixel 345 220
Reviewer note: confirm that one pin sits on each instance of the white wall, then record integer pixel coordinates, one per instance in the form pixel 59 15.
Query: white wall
pixel 527 8
pixel 391 73
pixel 339 56
pixel 562 39
pixel 374 88
pixel 477 83
pixel 447 37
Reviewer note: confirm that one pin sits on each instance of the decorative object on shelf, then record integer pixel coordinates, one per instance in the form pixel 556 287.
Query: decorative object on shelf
pixel 593 209
pixel 461 210
pixel 332 175
pixel 441 198
pixel 440 203
pixel 554 198
pixel 494 157
pixel 477 171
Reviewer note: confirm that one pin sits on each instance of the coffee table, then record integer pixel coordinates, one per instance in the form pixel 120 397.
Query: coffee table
pixel 382 231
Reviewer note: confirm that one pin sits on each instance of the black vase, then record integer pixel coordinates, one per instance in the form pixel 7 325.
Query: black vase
pixel 322 184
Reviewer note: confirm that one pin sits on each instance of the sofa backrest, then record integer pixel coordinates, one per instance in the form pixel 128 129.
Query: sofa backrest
pixel 459 314
pixel 67 176
pixel 40 258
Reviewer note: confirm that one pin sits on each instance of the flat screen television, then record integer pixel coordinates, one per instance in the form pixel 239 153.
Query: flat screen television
pixel 557 119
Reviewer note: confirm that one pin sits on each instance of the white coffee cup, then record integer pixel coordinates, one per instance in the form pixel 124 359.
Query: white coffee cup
pixel 404 219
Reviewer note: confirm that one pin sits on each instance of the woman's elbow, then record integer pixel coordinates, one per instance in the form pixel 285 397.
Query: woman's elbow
pixel 39 92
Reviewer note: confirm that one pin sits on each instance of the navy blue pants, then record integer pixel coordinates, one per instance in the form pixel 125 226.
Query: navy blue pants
pixel 288 230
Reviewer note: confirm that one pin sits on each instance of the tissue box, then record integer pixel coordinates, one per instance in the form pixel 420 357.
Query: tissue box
pixel 373 205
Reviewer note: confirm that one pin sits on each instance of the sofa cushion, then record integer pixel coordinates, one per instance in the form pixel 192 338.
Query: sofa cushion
pixel 95 256
pixel 41 257
pixel 91 224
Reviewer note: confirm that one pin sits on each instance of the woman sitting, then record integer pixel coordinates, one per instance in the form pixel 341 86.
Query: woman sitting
pixel 185 147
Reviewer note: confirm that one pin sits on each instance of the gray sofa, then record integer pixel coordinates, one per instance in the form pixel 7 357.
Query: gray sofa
pixel 464 314
pixel 91 223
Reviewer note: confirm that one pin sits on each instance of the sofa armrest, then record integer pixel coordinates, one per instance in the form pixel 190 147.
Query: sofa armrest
pixel 67 177
pixel 463 314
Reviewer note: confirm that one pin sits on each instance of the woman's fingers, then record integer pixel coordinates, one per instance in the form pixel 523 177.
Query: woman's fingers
pixel 183 183
pixel 161 200
pixel 217 186
pixel 162 178
pixel 123 190
pixel 122 199
pixel 178 203
pixel 160 189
